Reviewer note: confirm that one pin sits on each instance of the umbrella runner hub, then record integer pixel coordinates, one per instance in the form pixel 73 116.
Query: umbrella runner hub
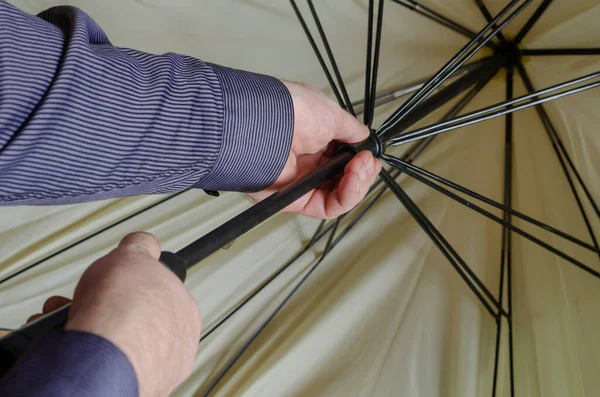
pixel 510 51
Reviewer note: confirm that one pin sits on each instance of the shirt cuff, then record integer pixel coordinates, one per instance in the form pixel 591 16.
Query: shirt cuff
pixel 258 127
pixel 71 363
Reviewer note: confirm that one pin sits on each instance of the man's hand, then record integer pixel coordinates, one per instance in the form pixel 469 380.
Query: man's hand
pixel 131 299
pixel 318 121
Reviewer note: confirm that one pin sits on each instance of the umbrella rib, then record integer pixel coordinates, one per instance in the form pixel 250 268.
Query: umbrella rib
pixel 373 85
pixel 488 16
pixel 348 103
pixel 439 18
pixel 493 203
pixel 313 44
pixel 562 154
pixel 497 110
pixel 393 94
pixel 451 66
pixel 534 18
pixel 491 216
pixel 560 51
pixel 506 255
pixel 445 248
pixel 343 98
pixel 368 99
pixel 415 150
pixel 330 240
pixel 86 238
pixel 317 231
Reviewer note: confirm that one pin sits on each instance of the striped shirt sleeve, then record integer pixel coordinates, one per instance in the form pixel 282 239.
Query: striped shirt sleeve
pixel 83 120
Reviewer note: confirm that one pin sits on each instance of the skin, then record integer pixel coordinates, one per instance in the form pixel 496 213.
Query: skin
pixel 131 299
pixel 319 121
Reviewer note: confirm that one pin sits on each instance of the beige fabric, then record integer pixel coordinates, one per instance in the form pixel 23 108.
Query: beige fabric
pixel 385 315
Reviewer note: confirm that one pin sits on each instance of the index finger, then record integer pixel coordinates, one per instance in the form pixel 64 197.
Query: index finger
pixel 348 129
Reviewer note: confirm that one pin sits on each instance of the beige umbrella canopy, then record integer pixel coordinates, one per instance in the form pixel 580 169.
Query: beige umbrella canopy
pixel 384 314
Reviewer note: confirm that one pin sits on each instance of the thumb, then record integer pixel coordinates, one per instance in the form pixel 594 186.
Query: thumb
pixel 349 129
pixel 141 242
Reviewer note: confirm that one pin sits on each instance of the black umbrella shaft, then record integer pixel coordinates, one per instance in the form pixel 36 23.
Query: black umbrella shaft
pixel 254 216
pixel 260 212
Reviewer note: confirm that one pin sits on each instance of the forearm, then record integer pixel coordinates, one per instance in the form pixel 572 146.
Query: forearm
pixel 83 120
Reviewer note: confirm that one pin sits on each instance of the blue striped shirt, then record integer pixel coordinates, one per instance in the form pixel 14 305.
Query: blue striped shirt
pixel 82 120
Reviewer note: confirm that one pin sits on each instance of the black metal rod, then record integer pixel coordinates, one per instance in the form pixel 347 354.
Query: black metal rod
pixel 439 18
pixel 375 71
pixel 493 217
pixel 547 122
pixel 505 256
pixel 331 57
pixel 488 17
pixel 504 208
pixel 412 87
pixel 470 119
pixel 560 51
pixel 318 54
pixel 451 66
pixel 86 238
pixel 483 72
pixel 508 255
pixel 317 231
pixel 380 103
pixel 458 261
pixel 260 212
pixel 560 151
pixel 502 105
pixel 436 237
pixel 394 93
pixel 418 147
pixel 415 150
pixel 368 100
pixel 336 224
pixel 534 18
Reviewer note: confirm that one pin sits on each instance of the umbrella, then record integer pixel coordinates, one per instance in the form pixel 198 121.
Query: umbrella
pixel 472 269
